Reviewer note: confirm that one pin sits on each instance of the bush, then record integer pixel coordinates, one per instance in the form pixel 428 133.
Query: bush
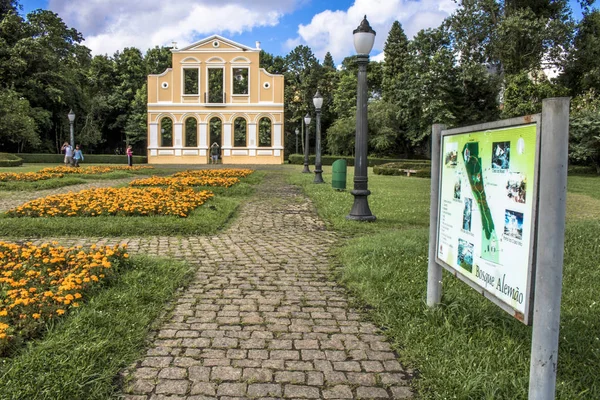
pixel 423 170
pixel 328 160
pixel 10 160
pixel 88 158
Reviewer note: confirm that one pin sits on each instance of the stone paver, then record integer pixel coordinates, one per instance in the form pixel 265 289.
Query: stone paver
pixel 263 317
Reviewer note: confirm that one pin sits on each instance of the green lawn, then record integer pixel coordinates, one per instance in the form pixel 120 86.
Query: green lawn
pixel 468 348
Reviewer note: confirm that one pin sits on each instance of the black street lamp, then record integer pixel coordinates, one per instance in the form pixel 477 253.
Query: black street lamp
pixel 318 102
pixel 71 116
pixel 297 132
pixel 307 123
pixel 364 37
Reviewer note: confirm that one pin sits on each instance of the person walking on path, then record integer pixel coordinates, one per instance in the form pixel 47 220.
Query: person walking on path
pixel 77 156
pixel 68 149
pixel 129 156
pixel 214 152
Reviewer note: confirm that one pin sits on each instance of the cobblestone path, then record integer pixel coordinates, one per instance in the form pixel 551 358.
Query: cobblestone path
pixel 16 198
pixel 263 318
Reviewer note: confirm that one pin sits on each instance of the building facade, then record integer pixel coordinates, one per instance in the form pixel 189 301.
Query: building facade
pixel 215 92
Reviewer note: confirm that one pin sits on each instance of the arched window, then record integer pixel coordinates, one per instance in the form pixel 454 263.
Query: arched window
pixel 239 132
pixel 216 127
pixel 166 132
pixel 191 132
pixel 264 132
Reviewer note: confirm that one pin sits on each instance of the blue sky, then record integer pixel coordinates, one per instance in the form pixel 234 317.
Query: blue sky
pixel 280 25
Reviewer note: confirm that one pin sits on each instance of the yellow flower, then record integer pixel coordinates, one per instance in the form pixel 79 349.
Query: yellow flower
pixel 36 316
pixel 60 311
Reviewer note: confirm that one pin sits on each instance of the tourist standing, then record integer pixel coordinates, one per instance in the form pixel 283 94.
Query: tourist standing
pixel 214 152
pixel 129 156
pixel 68 149
pixel 77 156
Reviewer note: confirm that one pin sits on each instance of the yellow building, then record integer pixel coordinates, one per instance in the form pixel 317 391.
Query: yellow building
pixel 215 92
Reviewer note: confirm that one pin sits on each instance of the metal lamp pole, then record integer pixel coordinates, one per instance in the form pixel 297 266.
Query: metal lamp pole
pixel 318 102
pixel 71 116
pixel 307 123
pixel 297 132
pixel 364 37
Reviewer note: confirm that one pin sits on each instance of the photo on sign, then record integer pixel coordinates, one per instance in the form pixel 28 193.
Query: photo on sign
pixel 457 188
pixel 516 187
pixel 451 155
pixel 513 224
pixel 500 155
pixel 465 255
pixel 467 213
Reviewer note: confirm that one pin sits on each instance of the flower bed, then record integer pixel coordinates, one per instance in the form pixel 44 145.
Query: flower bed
pixel 115 201
pixel 59 172
pixel 41 283
pixel 27 176
pixel 225 173
pixel 181 181
pixel 94 170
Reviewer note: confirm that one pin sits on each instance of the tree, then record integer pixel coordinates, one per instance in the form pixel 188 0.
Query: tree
pixel 17 127
pixel 328 63
pixel 136 128
pixel 582 68
pixel 584 145
pixel 302 76
pixel 396 55
pixel 130 75
pixel 524 93
pixel 430 93
pixel 157 60
pixel 272 64
pixel 7 6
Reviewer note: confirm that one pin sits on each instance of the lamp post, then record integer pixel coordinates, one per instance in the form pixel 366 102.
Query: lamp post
pixel 297 132
pixel 71 116
pixel 318 102
pixel 364 37
pixel 307 123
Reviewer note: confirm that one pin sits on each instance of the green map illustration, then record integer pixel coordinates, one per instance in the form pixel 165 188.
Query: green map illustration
pixel 489 240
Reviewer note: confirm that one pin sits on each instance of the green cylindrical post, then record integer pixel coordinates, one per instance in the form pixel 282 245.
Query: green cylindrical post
pixel 338 180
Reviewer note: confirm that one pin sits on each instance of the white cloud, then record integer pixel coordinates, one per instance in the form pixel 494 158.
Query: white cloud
pixel 111 25
pixel 332 30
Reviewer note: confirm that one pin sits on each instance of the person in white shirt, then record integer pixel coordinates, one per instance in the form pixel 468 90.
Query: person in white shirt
pixel 68 149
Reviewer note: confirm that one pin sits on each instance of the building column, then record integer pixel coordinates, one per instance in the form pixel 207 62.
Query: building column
pixel 153 140
pixel 252 138
pixel 203 142
pixel 227 138
pixel 178 137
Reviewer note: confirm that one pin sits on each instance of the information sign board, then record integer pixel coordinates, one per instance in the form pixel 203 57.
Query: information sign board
pixel 487 211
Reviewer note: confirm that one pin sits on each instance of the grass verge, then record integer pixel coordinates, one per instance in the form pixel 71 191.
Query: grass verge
pixel 468 348
pixel 79 357
pixel 205 220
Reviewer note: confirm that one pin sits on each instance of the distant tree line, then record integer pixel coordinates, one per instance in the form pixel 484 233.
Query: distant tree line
pixel 490 59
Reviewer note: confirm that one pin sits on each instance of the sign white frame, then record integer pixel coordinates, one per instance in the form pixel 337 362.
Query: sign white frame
pixel 528 291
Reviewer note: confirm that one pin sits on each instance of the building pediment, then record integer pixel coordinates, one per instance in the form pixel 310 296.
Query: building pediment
pixel 214 43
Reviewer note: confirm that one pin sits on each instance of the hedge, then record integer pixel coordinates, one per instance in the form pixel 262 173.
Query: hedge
pixel 328 160
pixel 87 159
pixel 10 160
pixel 422 170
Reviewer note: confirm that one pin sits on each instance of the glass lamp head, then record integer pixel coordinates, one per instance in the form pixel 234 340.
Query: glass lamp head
pixel 71 116
pixel 307 119
pixel 364 37
pixel 318 100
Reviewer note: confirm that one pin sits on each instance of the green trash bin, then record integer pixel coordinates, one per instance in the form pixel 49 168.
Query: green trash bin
pixel 338 180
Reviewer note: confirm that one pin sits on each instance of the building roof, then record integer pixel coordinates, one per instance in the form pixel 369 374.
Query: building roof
pixel 199 45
